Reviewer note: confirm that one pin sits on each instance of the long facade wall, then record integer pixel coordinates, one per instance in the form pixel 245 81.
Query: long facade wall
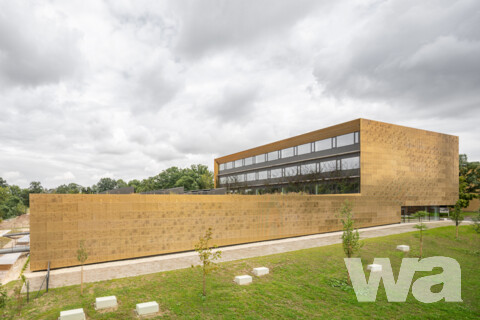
pixel 399 166
pixel 126 226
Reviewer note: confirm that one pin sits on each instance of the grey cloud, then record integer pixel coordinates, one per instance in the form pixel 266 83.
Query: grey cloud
pixel 410 54
pixel 211 24
pixel 235 104
pixel 35 49
pixel 168 84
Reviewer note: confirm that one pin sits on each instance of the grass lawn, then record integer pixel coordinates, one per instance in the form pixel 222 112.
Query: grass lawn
pixel 304 284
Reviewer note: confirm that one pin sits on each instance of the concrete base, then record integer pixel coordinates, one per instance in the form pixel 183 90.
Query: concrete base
pixel 75 314
pixel 242 280
pixel 374 267
pixel 8 260
pixel 260 271
pixel 147 308
pixel 105 302
pixel 403 248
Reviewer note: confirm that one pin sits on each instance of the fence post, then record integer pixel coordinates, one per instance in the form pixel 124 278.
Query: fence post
pixel 48 275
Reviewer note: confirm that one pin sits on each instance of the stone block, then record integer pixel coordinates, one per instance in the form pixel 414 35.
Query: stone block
pixel 403 248
pixel 75 314
pixel 147 308
pixel 242 280
pixel 260 271
pixel 105 302
pixel 374 267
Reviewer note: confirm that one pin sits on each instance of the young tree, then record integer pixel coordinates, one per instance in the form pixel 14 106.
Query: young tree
pixel 457 216
pixel 207 256
pixel 421 226
pixel 350 237
pixel 82 256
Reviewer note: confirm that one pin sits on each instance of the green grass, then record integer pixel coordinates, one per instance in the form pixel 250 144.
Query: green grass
pixel 304 284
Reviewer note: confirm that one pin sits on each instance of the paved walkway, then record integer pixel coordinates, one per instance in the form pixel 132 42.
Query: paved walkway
pixel 134 267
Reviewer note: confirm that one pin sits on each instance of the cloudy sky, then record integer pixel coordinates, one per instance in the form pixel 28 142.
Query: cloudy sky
pixel 91 89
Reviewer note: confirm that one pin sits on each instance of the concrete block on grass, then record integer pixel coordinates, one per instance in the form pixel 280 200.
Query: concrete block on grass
pixel 75 314
pixel 374 267
pixel 242 280
pixel 403 248
pixel 260 271
pixel 105 302
pixel 147 308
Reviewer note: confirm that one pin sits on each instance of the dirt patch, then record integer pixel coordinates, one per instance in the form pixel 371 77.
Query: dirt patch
pixel 19 222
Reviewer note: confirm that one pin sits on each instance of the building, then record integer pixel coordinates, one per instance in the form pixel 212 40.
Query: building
pixel 382 169
pixel 363 157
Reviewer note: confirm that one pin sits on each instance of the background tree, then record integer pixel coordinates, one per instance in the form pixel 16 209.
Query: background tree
pixel 476 222
pixel 3 183
pixel 457 216
pixel 469 180
pixel 464 196
pixel 193 178
pixel 11 204
pixel 136 184
pixel 36 187
pixel 82 256
pixel 87 190
pixel 421 227
pixel 105 184
pixel 71 188
pixel 207 256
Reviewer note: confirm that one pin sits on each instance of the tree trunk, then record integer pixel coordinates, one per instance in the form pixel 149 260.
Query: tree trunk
pixel 421 243
pixel 456 232
pixel 81 279
pixel 204 290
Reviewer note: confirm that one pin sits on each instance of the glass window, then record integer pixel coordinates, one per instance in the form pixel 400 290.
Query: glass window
pixel 275 173
pixel 345 140
pixel 229 165
pixel 223 180
pixel 328 166
pixel 357 137
pixel 262 175
pixel 291 171
pixel 272 155
pixel 239 163
pixel 324 144
pixel 304 148
pixel 260 158
pixel 351 163
pixel 222 166
pixel 309 168
pixel 232 179
pixel 241 178
pixel 251 176
pixel 248 161
pixel 288 152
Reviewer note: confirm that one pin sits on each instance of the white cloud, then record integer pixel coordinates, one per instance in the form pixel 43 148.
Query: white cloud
pixel 66 176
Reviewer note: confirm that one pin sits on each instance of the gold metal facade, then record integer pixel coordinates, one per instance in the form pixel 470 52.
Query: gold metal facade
pixel 399 166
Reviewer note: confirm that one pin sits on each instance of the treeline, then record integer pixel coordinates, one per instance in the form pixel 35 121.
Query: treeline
pixel 469 182
pixel 14 200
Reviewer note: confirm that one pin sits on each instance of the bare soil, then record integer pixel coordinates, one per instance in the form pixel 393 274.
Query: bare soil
pixel 20 222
